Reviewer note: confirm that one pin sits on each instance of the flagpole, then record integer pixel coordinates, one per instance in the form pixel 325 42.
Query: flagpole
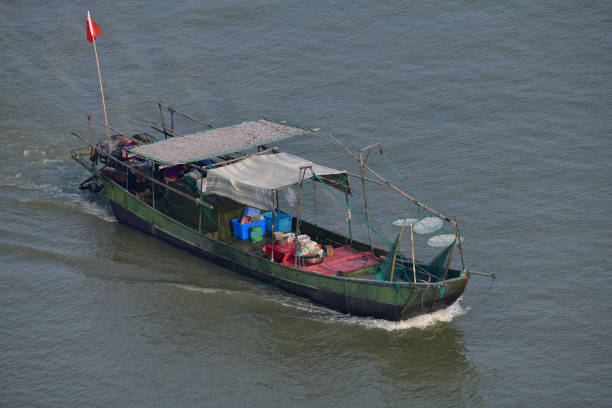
pixel 89 26
pixel 101 90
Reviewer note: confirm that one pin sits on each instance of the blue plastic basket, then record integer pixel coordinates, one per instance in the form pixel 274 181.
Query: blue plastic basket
pixel 243 231
pixel 282 221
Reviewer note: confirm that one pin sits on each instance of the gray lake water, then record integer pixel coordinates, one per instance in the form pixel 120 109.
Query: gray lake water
pixel 497 112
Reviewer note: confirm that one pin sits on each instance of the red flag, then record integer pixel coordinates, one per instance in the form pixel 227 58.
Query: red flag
pixel 92 29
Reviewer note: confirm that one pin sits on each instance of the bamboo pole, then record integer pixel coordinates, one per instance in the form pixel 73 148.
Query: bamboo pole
pixel 201 208
pixel 450 258
pixel 272 227
pixel 460 247
pixel 490 275
pixel 99 73
pixel 412 247
pixel 366 179
pixel 153 188
pixel 399 238
pixel 414 200
pixel 156 126
pixel 187 116
pixel 83 139
pixel 125 105
pixel 122 133
pixel 373 145
pixel 161 115
pixel 314 201
pixel 110 127
pixel 369 180
pixel 348 212
pixel 172 120
pixel 297 221
pixel 163 130
pixel 365 200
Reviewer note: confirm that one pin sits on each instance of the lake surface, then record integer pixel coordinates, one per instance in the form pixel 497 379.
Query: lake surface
pixel 496 113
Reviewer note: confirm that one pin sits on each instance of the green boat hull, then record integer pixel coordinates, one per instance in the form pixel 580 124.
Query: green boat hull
pixel 363 297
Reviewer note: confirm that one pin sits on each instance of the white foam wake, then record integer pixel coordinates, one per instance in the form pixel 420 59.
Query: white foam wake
pixel 202 290
pixel 321 313
pixel 95 210
pixel 417 322
pixel 324 314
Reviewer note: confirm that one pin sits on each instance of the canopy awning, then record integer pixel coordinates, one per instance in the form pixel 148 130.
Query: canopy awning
pixel 251 181
pixel 218 141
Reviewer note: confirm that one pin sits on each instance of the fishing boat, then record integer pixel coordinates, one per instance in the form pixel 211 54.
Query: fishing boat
pixel 216 193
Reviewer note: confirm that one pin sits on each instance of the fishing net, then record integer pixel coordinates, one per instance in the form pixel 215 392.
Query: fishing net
pixel 434 238
pixel 386 268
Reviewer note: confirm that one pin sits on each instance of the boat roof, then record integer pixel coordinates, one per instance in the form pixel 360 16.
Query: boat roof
pixel 217 142
pixel 251 181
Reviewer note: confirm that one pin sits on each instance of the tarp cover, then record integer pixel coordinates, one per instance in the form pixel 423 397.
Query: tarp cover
pixel 215 142
pixel 251 181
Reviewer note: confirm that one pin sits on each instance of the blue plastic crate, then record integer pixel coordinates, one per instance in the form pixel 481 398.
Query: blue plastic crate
pixel 282 221
pixel 250 212
pixel 243 231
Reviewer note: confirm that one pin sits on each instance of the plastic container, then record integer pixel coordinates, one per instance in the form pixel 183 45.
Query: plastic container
pixel 256 234
pixel 243 231
pixel 282 221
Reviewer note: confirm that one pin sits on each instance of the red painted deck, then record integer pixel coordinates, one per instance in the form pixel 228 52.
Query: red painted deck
pixel 343 261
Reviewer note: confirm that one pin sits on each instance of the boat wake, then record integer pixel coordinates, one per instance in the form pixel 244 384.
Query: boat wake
pixel 323 314
pixel 27 192
pixel 204 290
pixel 418 322
pixel 95 210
